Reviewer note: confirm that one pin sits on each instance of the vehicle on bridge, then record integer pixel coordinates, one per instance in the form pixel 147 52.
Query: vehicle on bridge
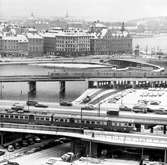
pixel 88 107
pixel 17 106
pixel 65 103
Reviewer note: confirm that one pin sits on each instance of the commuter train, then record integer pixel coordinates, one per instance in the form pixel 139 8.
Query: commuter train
pixel 112 123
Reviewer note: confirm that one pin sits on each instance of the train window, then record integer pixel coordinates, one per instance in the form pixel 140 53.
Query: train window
pixel 113 124
pixel 105 123
pixel 11 116
pixel 26 117
pixel 101 123
pixel 68 120
pixel 1 116
pixel 47 118
pixel 88 122
pixel 75 121
pixel 98 122
pixel 16 117
pixel 82 121
pixel 37 118
pixel 93 122
pixel 122 124
pixel 56 120
pixel 118 124
pixel 6 116
pixel 129 124
pixel 42 118
pixel 61 120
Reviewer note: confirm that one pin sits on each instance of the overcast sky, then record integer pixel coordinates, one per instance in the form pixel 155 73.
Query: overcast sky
pixel 104 10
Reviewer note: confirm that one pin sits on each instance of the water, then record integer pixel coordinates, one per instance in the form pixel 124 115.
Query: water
pixel 46 91
pixel 155 43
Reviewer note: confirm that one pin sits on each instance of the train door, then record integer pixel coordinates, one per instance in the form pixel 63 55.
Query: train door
pixel 31 119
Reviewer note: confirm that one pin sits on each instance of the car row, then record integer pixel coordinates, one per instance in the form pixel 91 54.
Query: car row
pixel 23 143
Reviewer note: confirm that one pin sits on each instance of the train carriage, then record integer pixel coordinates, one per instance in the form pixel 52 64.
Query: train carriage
pixel 98 123
pixel 14 117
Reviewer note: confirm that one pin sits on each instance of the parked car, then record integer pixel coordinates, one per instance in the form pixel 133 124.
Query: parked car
pixel 162 111
pixel 140 108
pixel 65 103
pixel 37 139
pixel 31 103
pixel 124 108
pixel 68 157
pixel 10 148
pixel 16 145
pixel 9 110
pixel 17 106
pixel 41 105
pixel 30 141
pixel 24 143
pixel 88 107
pixel 2 153
pixel 11 163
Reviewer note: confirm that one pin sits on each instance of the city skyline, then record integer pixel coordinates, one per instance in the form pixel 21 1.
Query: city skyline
pixel 106 10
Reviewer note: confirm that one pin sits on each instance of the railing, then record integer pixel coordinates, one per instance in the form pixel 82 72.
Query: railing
pixel 101 136
pixel 110 74
pixel 129 139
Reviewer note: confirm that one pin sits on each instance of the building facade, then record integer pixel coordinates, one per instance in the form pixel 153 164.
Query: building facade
pixel 111 43
pixel 35 44
pixel 67 43
pixel 14 45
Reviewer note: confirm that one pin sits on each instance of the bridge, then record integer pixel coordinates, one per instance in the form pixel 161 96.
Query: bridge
pixel 91 138
pixel 95 79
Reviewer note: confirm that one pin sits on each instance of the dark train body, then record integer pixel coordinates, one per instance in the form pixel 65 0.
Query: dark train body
pixel 64 120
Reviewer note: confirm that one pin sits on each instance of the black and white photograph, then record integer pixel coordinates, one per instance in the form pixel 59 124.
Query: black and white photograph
pixel 83 82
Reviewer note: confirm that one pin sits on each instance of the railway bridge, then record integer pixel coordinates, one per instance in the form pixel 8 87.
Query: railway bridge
pixel 95 79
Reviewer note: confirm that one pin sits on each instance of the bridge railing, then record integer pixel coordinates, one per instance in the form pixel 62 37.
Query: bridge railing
pixel 105 74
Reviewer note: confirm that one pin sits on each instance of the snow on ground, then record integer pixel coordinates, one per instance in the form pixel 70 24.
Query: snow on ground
pixel 103 93
pixel 72 65
pixel 130 97
pixel 93 161
pixel 88 92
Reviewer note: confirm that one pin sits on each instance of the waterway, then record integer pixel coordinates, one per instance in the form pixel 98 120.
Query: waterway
pixel 156 43
pixel 46 91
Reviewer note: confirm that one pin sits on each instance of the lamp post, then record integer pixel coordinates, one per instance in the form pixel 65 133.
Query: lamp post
pixel 81 115
pixel 99 109
pixel 1 89
pixel 28 99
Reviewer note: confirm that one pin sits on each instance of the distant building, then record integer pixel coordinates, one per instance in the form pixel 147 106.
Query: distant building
pixel 35 44
pixel 108 41
pixel 67 43
pixel 49 43
pixel 14 45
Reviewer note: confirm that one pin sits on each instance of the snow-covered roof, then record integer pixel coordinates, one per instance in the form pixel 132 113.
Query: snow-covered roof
pixel 99 25
pixel 34 35
pixel 19 38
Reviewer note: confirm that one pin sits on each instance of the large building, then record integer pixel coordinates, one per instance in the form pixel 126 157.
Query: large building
pixel 35 44
pixel 109 42
pixel 67 43
pixel 14 45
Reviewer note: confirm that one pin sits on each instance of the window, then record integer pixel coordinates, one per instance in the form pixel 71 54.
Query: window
pixel 16 117
pixel 26 117
pixel 6 116
pixel 47 118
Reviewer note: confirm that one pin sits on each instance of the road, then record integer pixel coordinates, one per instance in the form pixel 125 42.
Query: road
pixel 40 158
